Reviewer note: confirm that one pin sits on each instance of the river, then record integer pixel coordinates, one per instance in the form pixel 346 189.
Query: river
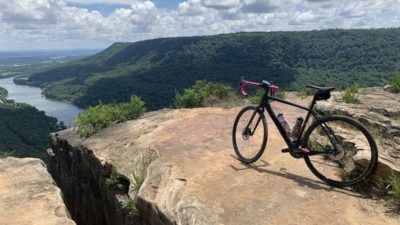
pixel 33 96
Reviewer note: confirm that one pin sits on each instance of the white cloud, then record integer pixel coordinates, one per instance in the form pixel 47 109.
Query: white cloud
pixel 260 6
pixel 55 24
pixel 30 12
pixel 221 4
pixel 103 1
pixel 191 8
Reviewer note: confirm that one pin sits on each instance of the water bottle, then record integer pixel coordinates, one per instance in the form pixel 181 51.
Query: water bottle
pixel 297 127
pixel 284 123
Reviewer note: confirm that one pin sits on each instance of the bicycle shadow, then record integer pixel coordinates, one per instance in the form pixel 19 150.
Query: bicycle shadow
pixel 300 180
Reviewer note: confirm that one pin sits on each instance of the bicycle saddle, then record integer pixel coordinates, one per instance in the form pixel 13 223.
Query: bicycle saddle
pixel 323 93
pixel 321 89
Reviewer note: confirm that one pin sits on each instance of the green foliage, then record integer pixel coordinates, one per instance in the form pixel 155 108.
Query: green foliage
pixel 3 92
pixel 154 69
pixel 6 154
pixel 350 94
pixel 204 93
pixel 24 130
pixel 395 84
pixel 132 207
pixel 140 172
pixel 281 94
pixel 112 180
pixel 255 100
pixel 394 190
pixel 305 92
pixel 96 118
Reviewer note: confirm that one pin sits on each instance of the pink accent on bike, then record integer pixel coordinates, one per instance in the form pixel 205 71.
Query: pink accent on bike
pixel 248 83
pixel 274 90
pixel 305 150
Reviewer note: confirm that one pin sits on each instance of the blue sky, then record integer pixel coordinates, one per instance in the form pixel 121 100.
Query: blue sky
pixel 67 24
pixel 168 4
pixel 108 8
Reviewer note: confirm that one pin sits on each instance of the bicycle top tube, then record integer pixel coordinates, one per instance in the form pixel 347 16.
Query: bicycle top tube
pixel 265 84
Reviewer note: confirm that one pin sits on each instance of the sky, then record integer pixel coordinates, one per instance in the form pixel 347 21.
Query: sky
pixel 77 24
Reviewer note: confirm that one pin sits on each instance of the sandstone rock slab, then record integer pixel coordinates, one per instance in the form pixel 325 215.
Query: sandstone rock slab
pixel 28 194
pixel 196 178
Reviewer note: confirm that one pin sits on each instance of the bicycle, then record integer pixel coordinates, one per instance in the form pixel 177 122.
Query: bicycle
pixel 337 149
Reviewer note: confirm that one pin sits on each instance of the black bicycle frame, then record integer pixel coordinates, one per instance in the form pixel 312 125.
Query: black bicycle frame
pixel 265 104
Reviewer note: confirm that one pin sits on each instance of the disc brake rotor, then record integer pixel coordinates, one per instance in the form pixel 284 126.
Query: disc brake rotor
pixel 246 133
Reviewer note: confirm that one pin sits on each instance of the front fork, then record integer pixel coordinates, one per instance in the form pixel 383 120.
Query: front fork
pixel 259 110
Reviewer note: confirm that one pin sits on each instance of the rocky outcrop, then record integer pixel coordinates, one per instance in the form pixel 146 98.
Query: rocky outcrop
pixel 379 110
pixel 83 178
pixel 193 176
pixel 28 194
pixel 81 168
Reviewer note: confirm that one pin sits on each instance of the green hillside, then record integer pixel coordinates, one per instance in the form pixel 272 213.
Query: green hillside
pixel 154 69
pixel 24 129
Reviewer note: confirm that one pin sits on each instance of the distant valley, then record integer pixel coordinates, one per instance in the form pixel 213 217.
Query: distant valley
pixel 25 63
pixel 24 128
pixel 156 69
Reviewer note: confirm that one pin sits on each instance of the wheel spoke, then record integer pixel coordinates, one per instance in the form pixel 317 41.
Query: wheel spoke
pixel 342 151
pixel 249 138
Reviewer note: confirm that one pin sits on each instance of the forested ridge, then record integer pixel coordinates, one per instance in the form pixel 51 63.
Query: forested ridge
pixel 24 129
pixel 156 69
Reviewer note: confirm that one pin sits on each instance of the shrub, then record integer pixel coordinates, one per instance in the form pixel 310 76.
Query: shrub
pixel 204 93
pixel 281 94
pixel 395 84
pixel 140 172
pixel 394 190
pixel 96 118
pixel 3 92
pixel 112 180
pixel 132 208
pixel 189 99
pixel 6 154
pixel 255 100
pixel 350 94
pixel 306 92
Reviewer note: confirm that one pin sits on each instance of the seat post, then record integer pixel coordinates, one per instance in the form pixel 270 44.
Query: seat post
pixel 314 100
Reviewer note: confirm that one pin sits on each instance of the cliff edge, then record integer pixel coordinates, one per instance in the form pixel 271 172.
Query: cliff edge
pixel 194 176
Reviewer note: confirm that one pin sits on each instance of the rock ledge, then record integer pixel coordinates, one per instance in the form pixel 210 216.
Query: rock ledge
pixel 28 194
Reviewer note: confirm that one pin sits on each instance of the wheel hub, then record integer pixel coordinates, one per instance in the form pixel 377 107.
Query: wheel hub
pixel 339 152
pixel 246 133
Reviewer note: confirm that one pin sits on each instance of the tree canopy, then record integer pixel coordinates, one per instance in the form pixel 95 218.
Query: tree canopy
pixel 155 69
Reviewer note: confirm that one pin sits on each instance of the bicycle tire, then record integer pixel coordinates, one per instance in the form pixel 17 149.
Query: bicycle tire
pixel 260 151
pixel 347 179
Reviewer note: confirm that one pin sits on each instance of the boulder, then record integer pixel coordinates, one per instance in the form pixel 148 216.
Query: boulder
pixel 28 194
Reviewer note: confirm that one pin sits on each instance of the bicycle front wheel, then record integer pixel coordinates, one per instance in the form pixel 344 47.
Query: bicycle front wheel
pixel 249 135
pixel 342 151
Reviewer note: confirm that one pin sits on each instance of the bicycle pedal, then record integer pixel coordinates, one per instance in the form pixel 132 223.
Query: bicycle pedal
pixel 301 151
pixel 286 150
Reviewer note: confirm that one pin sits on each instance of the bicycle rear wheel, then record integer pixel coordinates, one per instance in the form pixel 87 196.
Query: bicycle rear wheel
pixel 342 151
pixel 249 135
